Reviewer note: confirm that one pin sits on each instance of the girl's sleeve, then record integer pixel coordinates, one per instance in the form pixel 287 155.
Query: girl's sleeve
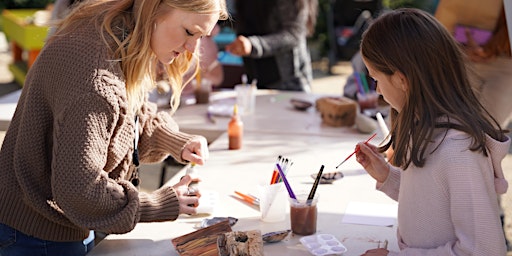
pixel 474 207
pixel 391 186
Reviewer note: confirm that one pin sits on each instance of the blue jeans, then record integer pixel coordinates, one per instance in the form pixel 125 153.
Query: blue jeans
pixel 15 243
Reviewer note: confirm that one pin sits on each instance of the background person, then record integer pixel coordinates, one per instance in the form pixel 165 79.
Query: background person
pixel 82 124
pixel 490 58
pixel 272 39
pixel 60 9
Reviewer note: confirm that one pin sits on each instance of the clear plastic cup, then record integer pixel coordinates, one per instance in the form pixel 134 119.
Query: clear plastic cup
pixel 303 214
pixel 245 98
pixel 369 100
pixel 273 202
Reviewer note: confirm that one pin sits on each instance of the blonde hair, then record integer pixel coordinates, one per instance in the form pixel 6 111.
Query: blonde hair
pixel 137 18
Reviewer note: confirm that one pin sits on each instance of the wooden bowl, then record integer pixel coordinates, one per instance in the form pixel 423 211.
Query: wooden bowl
pixel 301 105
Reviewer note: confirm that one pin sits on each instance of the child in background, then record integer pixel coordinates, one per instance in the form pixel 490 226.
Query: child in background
pixel 446 173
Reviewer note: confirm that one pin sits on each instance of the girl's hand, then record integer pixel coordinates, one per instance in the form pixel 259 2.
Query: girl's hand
pixel 188 200
pixel 372 161
pixel 196 151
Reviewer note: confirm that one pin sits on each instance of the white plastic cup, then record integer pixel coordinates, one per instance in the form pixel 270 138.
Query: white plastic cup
pixel 273 202
pixel 245 98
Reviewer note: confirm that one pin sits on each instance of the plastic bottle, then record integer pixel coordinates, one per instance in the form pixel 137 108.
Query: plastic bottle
pixel 235 130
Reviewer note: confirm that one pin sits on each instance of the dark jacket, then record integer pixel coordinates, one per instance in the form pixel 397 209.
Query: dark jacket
pixel 277 30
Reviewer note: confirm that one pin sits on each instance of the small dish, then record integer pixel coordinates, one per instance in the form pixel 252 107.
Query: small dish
pixel 209 222
pixel 301 105
pixel 323 244
pixel 274 237
pixel 329 177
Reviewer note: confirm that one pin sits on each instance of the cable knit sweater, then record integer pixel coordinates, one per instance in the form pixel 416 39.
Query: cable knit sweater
pixel 450 206
pixel 66 159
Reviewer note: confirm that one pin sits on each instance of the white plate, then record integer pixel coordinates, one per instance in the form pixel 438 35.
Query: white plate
pixel 221 109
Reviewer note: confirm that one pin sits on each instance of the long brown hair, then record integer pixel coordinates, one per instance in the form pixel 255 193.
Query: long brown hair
pixel 137 18
pixel 414 43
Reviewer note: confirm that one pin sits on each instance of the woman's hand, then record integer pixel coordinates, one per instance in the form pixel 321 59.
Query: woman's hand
pixel 188 199
pixel 196 151
pixel 241 46
pixel 376 252
pixel 372 161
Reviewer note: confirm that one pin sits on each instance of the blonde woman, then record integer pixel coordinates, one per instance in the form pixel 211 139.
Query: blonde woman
pixel 83 123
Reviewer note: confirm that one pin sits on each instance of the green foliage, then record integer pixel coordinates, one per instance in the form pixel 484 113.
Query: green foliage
pixel 321 34
pixel 394 4
pixel 24 4
pixel 427 5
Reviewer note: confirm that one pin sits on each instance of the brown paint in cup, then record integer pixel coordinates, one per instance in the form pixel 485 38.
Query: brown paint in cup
pixel 303 215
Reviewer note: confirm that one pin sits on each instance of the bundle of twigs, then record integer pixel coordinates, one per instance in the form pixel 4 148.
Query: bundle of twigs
pixel 202 242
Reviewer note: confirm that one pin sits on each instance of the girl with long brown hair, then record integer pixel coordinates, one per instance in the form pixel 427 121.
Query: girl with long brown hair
pixel 445 169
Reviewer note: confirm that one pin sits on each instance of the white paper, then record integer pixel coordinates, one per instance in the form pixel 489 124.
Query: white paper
pixel 371 214
pixel 508 14
pixel 7 107
pixel 208 202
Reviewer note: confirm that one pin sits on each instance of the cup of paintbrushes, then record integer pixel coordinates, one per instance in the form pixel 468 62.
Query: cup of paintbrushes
pixel 303 214
pixel 303 210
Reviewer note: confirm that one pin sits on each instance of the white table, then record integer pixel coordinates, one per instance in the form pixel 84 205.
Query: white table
pixel 8 104
pixel 242 170
pixel 274 113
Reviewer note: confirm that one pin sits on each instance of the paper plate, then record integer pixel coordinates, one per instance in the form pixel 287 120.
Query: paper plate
pixel 328 177
pixel 221 109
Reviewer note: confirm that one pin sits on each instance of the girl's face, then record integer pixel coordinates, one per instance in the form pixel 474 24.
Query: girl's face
pixel 392 87
pixel 179 31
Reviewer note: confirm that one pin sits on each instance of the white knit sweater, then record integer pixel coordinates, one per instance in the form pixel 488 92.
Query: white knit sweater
pixel 450 206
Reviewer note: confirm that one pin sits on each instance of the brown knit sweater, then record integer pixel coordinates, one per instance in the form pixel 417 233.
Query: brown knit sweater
pixel 66 159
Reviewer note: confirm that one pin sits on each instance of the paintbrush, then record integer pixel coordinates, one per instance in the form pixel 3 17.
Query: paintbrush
pixel 315 185
pixel 248 198
pixel 355 151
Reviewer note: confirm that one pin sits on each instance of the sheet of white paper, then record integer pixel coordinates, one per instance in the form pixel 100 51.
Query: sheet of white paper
pixel 508 14
pixel 8 104
pixel 370 214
